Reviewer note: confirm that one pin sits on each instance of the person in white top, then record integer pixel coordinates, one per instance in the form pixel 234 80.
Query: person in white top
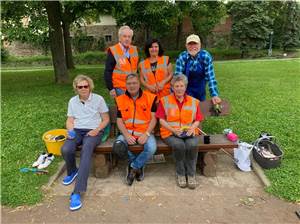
pixel 87 118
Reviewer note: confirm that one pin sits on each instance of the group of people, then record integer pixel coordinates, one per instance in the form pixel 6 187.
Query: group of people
pixel 173 100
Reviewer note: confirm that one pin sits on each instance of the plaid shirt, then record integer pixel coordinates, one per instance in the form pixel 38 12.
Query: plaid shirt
pixel 204 57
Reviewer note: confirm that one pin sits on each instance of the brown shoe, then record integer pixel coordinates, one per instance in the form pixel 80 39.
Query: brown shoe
pixel 192 183
pixel 181 181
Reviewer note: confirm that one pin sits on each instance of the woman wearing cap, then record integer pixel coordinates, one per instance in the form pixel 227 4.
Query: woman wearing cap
pixel 156 70
pixel 87 118
pixel 179 116
pixel 197 65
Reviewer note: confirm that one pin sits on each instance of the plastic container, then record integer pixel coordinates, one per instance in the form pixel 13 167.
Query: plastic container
pixel 52 145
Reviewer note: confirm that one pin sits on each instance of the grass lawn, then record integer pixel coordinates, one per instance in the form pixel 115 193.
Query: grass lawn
pixel 265 96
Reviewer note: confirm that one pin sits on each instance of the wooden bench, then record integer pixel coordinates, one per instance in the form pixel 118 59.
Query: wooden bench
pixel 104 160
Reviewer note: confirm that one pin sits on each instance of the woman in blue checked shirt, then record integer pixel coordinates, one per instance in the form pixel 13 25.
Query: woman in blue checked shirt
pixel 196 64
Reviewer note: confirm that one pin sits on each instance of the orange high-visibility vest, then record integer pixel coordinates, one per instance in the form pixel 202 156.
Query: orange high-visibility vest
pixel 178 118
pixel 160 74
pixel 136 115
pixel 124 66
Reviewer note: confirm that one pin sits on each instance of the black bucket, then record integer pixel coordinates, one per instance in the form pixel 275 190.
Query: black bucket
pixel 267 163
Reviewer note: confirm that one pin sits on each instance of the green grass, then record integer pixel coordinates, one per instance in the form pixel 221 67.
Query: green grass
pixel 264 96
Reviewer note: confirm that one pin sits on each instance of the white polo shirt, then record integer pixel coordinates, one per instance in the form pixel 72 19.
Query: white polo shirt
pixel 87 114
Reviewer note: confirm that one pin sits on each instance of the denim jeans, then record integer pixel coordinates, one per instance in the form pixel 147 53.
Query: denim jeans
pixel 89 143
pixel 138 161
pixel 185 152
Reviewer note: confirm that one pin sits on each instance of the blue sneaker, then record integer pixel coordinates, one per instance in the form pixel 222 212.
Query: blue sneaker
pixel 75 202
pixel 69 179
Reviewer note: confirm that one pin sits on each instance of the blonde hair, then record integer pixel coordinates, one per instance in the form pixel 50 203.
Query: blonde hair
pixel 122 28
pixel 80 78
pixel 180 77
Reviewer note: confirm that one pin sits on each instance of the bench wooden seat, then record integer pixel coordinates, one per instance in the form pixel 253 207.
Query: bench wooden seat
pixel 104 160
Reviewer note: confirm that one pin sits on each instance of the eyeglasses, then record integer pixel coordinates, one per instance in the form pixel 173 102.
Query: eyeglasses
pixel 80 87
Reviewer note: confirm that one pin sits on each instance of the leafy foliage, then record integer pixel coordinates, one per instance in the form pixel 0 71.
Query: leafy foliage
pixel 251 24
pixel 205 15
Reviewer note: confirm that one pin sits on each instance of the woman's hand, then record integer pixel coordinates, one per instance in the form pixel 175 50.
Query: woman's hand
pixel 93 132
pixel 177 131
pixel 191 131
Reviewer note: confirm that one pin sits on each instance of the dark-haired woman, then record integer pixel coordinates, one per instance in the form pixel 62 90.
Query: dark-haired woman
pixel 156 70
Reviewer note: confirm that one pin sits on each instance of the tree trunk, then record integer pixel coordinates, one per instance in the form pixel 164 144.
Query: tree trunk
pixel 178 33
pixel 68 48
pixel 56 41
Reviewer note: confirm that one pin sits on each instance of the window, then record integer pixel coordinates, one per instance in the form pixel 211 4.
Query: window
pixel 108 38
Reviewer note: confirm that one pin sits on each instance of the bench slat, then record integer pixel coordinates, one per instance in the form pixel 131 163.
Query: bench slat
pixel 217 141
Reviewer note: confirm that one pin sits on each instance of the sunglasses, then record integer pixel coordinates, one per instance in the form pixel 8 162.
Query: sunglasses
pixel 80 87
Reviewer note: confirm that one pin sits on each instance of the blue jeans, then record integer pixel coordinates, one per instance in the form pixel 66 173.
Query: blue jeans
pixel 68 150
pixel 138 161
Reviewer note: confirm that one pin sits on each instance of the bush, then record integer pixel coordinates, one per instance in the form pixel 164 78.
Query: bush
pixel 4 54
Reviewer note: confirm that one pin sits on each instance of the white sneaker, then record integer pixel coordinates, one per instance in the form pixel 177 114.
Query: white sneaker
pixel 40 160
pixel 47 162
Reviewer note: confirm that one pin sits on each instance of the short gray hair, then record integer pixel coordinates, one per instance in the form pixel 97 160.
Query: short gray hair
pixel 132 75
pixel 180 77
pixel 80 78
pixel 122 28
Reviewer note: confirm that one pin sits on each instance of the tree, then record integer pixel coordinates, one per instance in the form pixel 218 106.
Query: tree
pixel 152 17
pixel 49 22
pixel 57 41
pixel 205 15
pixel 25 22
pixel 181 10
pixel 251 25
pixel 291 25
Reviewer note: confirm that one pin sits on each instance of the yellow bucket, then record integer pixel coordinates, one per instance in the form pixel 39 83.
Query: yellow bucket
pixel 52 145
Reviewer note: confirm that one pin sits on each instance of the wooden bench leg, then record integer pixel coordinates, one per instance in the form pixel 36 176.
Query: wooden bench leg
pixel 102 165
pixel 210 164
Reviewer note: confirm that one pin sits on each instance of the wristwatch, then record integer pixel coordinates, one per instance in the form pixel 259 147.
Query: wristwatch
pixel 147 133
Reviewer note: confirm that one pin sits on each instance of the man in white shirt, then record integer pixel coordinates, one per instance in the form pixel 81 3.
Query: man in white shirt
pixel 87 118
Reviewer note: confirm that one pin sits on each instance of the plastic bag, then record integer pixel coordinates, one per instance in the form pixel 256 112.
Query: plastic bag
pixel 242 156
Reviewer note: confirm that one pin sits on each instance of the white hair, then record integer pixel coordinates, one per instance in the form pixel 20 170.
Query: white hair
pixel 122 28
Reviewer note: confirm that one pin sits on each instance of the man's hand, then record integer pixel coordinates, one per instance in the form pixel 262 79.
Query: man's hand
pixel 142 139
pixel 216 100
pixel 113 93
pixel 130 139
pixel 93 132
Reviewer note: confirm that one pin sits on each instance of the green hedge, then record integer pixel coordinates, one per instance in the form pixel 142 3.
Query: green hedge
pixel 98 57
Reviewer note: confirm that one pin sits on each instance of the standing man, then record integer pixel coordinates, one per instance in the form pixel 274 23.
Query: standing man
pixel 122 60
pixel 135 120
pixel 197 65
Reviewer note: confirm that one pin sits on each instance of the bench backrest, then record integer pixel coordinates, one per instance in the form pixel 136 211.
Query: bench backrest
pixel 206 109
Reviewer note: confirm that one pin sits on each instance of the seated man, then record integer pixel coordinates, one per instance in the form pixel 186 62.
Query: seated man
pixel 87 118
pixel 135 120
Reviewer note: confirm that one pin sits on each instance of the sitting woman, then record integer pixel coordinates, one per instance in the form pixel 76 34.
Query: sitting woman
pixel 179 116
pixel 156 70
pixel 87 118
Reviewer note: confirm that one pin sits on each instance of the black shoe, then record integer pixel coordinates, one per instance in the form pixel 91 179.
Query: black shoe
pixel 140 174
pixel 130 175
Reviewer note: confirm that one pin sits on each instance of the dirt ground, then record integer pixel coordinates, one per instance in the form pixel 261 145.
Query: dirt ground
pixel 231 197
